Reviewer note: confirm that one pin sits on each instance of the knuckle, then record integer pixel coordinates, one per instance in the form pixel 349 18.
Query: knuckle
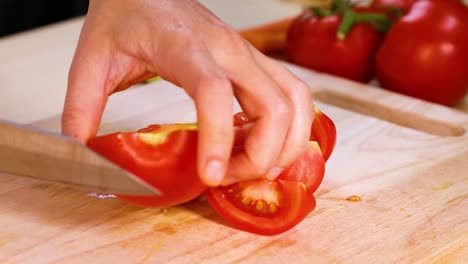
pixel 234 45
pixel 281 112
pixel 238 44
pixel 233 37
pixel 260 165
pixel 303 91
pixel 211 83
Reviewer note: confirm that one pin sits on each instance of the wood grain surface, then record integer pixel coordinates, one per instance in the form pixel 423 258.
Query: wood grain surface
pixel 405 159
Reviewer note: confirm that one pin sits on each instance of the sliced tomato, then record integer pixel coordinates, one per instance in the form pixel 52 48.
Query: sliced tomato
pixel 162 156
pixel 272 207
pixel 151 128
pixel 309 168
pixel 248 206
pixel 324 132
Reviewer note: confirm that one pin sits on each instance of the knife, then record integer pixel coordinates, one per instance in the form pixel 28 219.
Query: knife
pixel 43 155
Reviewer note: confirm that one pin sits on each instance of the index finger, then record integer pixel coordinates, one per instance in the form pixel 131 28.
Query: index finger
pixel 213 97
pixel 85 98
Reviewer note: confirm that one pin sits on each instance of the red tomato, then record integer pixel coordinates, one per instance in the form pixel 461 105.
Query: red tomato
pixel 241 119
pixel 309 168
pixel 403 4
pixel 272 207
pixel 323 131
pixel 162 156
pixel 312 42
pixel 425 53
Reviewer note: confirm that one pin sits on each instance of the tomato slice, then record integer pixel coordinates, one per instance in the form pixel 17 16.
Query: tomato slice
pixel 309 168
pixel 324 132
pixel 272 207
pixel 241 208
pixel 162 156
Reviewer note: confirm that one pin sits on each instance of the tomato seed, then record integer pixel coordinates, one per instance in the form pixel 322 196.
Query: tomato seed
pixel 246 200
pixel 272 207
pixel 259 206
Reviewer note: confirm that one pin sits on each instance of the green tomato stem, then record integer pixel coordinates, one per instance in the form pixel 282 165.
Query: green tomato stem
pixel 379 21
pixel 340 6
pixel 347 22
pixel 321 12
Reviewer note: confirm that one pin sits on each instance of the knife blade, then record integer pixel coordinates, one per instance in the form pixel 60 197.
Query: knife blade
pixel 43 155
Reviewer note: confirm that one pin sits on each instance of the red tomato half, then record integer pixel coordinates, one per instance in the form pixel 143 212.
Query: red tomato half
pixel 425 53
pixel 272 207
pixel 162 156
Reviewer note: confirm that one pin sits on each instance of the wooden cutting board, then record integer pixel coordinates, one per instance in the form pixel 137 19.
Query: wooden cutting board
pixel 413 186
pixel 405 159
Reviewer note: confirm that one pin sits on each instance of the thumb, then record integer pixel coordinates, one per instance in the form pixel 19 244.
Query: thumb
pixel 85 98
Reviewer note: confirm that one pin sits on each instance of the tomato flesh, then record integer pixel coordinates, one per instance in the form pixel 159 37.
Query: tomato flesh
pixel 308 169
pixel 295 201
pixel 324 132
pixel 271 207
pixel 162 156
pixel 255 196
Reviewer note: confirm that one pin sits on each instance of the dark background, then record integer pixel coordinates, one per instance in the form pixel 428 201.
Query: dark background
pixel 21 15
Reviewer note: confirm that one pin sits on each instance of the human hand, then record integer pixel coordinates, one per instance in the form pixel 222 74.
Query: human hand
pixel 126 42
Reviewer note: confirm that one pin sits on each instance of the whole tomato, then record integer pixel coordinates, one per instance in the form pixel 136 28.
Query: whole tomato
pixel 403 4
pixel 425 53
pixel 318 42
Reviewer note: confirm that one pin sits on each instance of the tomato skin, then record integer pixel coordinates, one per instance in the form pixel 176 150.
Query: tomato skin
pixel 324 132
pixel 425 53
pixel 405 5
pixel 300 202
pixel 312 43
pixel 309 168
pixel 169 166
pixel 296 185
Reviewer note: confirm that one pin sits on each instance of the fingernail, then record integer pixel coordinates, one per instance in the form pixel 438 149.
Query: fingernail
pixel 273 173
pixel 214 172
